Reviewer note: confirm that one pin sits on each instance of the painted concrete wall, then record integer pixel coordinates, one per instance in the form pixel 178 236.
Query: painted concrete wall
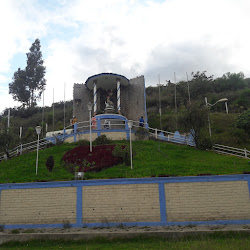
pixel 121 203
pixel 36 205
pixel 133 202
pixel 109 135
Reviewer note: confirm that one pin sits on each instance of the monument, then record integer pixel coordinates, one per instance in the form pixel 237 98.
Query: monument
pixel 110 94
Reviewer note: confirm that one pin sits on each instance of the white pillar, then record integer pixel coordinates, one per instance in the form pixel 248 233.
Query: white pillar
pixel 95 98
pixel 118 96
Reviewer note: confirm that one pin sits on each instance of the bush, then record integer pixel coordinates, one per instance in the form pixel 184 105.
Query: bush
pixel 82 160
pixel 195 119
pixel 142 134
pixel 101 140
pixel 82 143
pixel 50 163
pixel 205 143
pixel 123 152
pixel 239 135
pixel 243 121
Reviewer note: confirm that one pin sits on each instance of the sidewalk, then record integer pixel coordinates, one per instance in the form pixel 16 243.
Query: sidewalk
pixel 116 232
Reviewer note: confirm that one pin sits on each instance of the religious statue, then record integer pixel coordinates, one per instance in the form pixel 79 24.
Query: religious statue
pixel 109 104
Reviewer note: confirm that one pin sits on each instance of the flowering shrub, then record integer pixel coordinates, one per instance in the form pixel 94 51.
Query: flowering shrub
pixel 101 157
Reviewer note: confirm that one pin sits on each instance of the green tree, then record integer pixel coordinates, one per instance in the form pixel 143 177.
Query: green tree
pixel 195 119
pixel 243 121
pixel 27 85
pixel 18 87
pixel 200 84
pixel 230 82
pixel 244 99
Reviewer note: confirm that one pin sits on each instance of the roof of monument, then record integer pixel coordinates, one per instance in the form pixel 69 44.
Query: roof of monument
pixel 106 81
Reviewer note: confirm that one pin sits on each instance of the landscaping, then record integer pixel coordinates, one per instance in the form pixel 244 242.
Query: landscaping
pixel 80 159
pixel 152 159
pixel 217 240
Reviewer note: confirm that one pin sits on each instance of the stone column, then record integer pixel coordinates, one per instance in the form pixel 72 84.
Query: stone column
pixel 95 98
pixel 118 96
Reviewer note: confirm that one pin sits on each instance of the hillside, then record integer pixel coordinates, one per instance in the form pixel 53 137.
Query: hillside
pixel 151 159
pixel 233 86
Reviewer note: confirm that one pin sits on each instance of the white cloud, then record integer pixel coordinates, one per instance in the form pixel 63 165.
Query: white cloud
pixel 80 38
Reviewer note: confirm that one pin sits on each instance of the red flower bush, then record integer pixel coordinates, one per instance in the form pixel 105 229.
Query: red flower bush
pixel 101 157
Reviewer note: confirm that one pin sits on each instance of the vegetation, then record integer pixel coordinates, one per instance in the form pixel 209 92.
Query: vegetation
pixel 80 159
pixel 170 160
pixel 28 85
pixel 243 121
pixel 28 119
pixel 50 163
pixel 216 240
pixel 195 121
pixel 226 129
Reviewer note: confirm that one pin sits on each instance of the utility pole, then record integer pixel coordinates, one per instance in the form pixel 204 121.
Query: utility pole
pixel 64 109
pixel 188 89
pixel 175 101
pixel 53 113
pixel 43 115
pixel 8 126
pixel 160 100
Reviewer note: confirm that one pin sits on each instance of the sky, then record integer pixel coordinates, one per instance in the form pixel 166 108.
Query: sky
pixel 154 38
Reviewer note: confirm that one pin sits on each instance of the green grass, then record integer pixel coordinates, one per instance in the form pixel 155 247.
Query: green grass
pixel 173 160
pixel 23 168
pixel 213 241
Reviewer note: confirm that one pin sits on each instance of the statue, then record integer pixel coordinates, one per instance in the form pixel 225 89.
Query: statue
pixel 109 104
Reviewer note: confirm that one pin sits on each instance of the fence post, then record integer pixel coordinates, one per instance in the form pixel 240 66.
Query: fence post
pixel 21 148
pixel 245 151
pixel 75 128
pixel 156 133
pixel 187 140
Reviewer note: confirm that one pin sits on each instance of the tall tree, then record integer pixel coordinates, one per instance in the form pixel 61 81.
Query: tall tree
pixel 18 88
pixel 27 85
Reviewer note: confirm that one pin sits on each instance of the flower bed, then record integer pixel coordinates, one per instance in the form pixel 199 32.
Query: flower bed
pixel 82 160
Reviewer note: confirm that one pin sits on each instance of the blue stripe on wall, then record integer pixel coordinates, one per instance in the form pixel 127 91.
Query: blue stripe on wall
pixel 248 186
pixel 79 206
pixel 214 178
pixel 162 201
pixel 130 224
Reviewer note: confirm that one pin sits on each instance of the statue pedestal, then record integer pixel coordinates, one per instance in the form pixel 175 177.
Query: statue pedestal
pixel 109 110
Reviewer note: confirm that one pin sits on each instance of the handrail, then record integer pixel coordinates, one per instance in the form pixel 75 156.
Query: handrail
pixel 153 132
pixel 231 151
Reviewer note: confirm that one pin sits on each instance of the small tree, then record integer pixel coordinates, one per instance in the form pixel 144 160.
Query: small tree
pixel 196 120
pixel 50 163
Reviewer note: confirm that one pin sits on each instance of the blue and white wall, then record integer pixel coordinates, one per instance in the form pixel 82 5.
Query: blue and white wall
pixel 140 202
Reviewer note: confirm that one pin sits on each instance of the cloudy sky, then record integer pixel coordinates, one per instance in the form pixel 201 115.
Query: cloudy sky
pixel 80 38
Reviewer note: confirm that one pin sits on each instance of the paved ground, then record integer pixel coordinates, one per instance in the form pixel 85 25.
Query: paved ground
pixel 115 232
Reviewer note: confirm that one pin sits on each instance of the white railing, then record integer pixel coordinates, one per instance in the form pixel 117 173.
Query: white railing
pixel 27 147
pixel 171 137
pixel 152 132
pixel 231 151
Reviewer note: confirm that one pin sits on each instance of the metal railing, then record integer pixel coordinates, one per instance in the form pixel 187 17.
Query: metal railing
pixel 176 137
pixel 155 133
pixel 243 153
pixel 27 147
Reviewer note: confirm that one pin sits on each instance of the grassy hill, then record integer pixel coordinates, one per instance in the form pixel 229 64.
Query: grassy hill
pixel 152 159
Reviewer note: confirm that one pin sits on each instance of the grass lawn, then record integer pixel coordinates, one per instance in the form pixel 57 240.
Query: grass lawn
pixel 152 159
pixel 214 241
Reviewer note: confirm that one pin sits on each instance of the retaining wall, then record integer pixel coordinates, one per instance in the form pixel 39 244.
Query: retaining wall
pixel 132 202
